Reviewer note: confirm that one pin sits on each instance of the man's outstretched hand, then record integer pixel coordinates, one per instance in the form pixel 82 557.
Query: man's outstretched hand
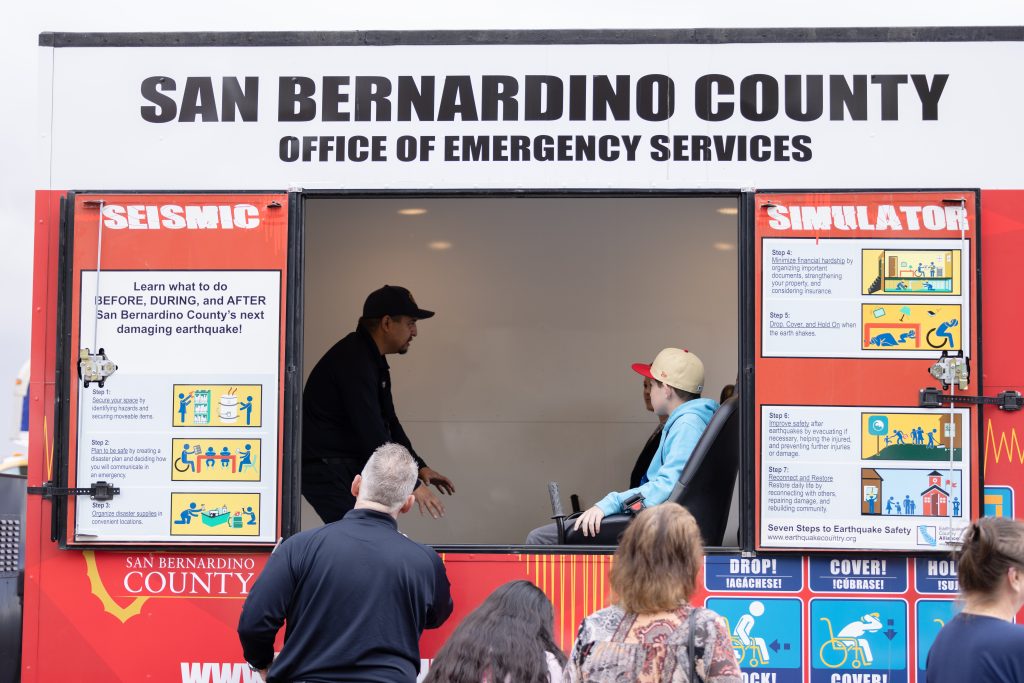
pixel 443 483
pixel 428 502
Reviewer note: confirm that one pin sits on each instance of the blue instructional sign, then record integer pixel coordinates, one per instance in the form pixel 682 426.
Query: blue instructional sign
pixel 758 574
pixel 932 615
pixel 862 640
pixel 861 574
pixel 765 635
pixel 936 576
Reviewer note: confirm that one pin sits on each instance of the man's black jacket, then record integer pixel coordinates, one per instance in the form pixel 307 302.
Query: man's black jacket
pixel 347 407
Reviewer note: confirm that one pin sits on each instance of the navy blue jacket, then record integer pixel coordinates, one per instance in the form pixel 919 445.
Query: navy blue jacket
pixel 356 595
pixel 978 649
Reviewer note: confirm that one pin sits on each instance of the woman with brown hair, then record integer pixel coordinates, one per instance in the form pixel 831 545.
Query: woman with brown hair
pixel 652 634
pixel 507 639
pixel 982 644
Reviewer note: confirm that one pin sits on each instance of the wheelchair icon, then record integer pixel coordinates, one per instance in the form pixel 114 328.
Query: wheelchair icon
pixel 743 650
pixel 836 650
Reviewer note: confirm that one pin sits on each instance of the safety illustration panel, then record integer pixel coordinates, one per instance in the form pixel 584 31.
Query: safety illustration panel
pixel 217 405
pixel 924 436
pixel 858 636
pixel 215 514
pixel 766 636
pixel 911 326
pixel 867 317
pixel 177 352
pixel 216 459
pixel 864 477
pixel 911 271
pixel 817 301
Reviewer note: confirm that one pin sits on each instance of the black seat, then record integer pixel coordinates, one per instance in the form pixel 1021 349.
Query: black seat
pixel 704 488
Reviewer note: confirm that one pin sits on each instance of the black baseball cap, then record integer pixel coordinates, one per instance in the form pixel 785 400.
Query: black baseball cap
pixel 393 300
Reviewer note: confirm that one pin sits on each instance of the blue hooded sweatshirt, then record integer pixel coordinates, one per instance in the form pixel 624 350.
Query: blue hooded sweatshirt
pixel 678 437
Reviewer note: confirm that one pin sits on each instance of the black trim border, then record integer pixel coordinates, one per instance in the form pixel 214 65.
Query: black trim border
pixel 291 459
pixel 694 36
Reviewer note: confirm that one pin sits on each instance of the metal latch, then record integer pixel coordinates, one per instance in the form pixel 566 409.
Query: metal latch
pixel 101 490
pixel 955 368
pixel 94 367
pixel 1005 400
pixel 952 368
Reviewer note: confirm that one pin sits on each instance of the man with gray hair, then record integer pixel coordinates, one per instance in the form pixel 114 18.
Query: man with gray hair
pixel 356 593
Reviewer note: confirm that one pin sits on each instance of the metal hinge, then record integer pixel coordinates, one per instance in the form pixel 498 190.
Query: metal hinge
pixel 101 490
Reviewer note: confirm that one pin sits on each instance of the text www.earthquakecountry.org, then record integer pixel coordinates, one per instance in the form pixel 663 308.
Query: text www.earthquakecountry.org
pixel 791 536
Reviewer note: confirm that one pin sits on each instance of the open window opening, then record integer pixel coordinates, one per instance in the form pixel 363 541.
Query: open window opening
pixel 543 303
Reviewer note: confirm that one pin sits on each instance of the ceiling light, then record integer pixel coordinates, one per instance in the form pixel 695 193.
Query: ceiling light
pixel 728 211
pixel 724 246
pixel 411 212
pixel 440 245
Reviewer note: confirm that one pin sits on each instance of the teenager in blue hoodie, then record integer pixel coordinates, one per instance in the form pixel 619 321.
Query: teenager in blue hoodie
pixel 677 380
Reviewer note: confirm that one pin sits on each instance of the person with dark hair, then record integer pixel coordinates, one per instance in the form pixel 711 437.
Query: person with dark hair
pixel 507 639
pixel 356 594
pixel 348 409
pixel 981 644
pixel 652 634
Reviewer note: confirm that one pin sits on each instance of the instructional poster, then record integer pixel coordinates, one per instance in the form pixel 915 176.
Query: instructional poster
pixel 858 296
pixel 179 344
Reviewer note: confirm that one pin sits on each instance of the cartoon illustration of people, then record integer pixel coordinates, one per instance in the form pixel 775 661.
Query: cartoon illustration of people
pixel 920 270
pixel 898 508
pixel 869 623
pixel 931 438
pixel 746 623
pixel 887 339
pixel 931 273
pixel 888 506
pixel 910 505
pixel 888 439
pixel 188 513
pixel 956 506
pixel 252 515
pixel 901 286
pixel 225 455
pixel 247 407
pixel 871 499
pixel 927 286
pixel 906 505
pixel 185 452
pixel 210 455
pixel 900 437
pixel 183 403
pixel 246 459
pixel 943 331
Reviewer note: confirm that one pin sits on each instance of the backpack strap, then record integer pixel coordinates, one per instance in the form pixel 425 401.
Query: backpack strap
pixel 690 649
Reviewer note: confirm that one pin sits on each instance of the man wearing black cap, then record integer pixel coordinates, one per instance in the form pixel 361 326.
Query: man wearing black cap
pixel 348 410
